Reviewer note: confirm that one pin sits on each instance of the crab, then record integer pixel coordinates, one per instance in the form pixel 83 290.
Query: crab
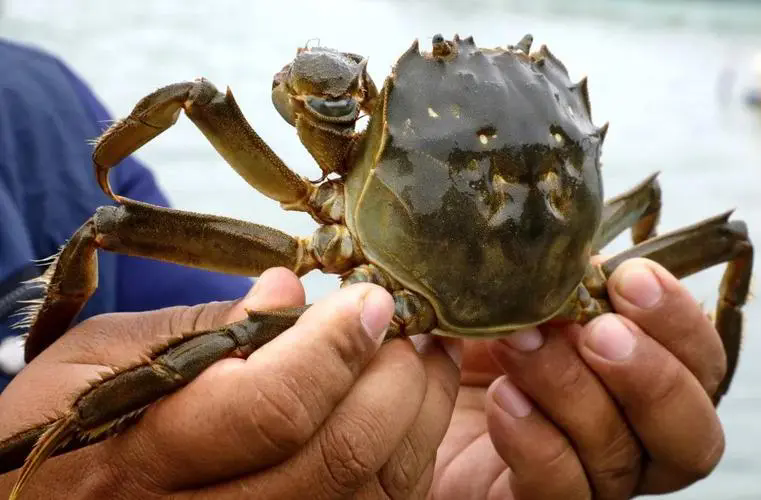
pixel 486 155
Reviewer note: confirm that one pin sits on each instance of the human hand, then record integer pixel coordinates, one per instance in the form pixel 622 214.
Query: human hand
pixel 320 412
pixel 617 408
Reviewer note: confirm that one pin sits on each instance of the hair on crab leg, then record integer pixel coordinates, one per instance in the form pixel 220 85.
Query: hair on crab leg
pixel 203 241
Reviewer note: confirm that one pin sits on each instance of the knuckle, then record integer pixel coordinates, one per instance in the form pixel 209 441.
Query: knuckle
pixel 665 384
pixel 559 457
pixel 561 463
pixel 279 419
pixel 423 488
pixel 714 370
pixel 198 317
pixel 346 340
pixel 348 454
pixel 620 464
pixel 351 348
pixel 704 463
pixel 400 475
pixel 568 380
pixel 184 319
pixel 120 478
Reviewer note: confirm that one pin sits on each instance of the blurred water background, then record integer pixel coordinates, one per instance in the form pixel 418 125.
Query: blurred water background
pixel 668 75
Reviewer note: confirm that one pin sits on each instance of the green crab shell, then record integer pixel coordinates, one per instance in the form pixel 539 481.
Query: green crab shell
pixel 477 185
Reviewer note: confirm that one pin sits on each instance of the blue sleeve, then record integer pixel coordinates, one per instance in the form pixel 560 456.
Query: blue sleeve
pixel 47 190
pixel 15 256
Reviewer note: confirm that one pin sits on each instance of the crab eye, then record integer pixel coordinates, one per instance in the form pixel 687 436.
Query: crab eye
pixel 333 109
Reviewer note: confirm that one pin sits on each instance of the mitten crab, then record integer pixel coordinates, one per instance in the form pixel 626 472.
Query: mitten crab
pixel 487 156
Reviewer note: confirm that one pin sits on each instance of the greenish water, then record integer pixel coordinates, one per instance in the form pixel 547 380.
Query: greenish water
pixel 668 75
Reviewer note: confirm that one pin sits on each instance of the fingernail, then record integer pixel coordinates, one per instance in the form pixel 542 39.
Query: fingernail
pixel 526 340
pixel 640 286
pixel 377 309
pixel 511 399
pixel 610 338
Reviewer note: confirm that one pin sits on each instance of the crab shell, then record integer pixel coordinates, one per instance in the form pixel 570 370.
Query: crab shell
pixel 477 184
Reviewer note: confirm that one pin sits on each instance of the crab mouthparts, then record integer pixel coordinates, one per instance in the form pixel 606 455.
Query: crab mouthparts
pixel 281 76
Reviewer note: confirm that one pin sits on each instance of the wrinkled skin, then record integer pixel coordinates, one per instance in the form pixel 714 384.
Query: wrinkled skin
pixel 210 439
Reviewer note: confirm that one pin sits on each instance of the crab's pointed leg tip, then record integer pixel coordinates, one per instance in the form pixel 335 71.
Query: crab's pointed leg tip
pixel 57 435
pixel 456 38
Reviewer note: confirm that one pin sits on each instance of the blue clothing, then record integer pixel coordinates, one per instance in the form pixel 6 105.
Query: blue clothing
pixel 48 190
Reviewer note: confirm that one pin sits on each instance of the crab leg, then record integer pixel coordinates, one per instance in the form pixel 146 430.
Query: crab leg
pixel 413 314
pixel 139 229
pixel 104 410
pixel 638 208
pixel 698 247
pixel 220 119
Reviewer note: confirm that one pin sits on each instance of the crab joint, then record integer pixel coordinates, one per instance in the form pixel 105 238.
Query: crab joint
pixel 333 248
pixel 369 273
pixel 327 202
pixel 413 313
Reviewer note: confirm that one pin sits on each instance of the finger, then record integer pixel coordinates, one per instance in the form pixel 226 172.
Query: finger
pixel 665 404
pixel 375 490
pixel 356 439
pixel 466 462
pixel 116 341
pixel 371 490
pixel 277 287
pixel 478 366
pixel 94 340
pixel 543 464
pixel 400 476
pixel 548 367
pixel 661 305
pixel 239 416
pixel 423 487
pixel 470 473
